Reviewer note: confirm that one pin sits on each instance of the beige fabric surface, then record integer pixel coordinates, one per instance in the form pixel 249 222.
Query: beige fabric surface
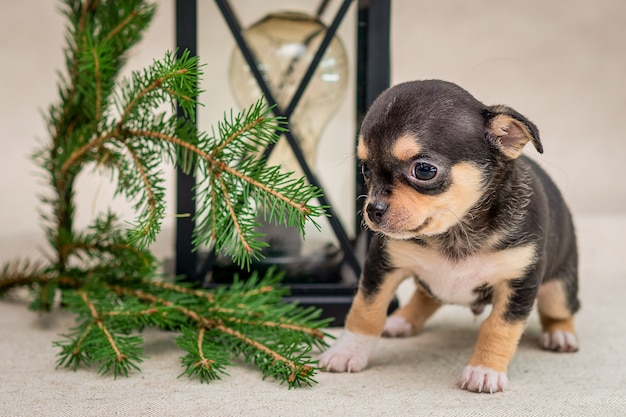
pixel 408 377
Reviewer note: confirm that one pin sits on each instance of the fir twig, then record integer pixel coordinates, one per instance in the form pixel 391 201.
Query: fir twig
pixel 96 317
pixel 105 274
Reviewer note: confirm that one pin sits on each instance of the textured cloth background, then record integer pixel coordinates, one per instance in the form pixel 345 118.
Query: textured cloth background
pixel 407 377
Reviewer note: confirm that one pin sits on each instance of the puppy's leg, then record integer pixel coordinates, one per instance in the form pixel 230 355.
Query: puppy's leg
pixel 557 317
pixel 409 319
pixel 364 325
pixel 497 340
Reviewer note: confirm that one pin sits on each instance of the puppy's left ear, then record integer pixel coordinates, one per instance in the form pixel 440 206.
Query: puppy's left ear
pixel 509 131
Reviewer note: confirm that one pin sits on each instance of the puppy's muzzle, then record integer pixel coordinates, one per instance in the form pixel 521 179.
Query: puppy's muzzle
pixel 376 211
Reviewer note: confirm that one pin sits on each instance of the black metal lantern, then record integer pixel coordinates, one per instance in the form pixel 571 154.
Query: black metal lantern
pixel 283 56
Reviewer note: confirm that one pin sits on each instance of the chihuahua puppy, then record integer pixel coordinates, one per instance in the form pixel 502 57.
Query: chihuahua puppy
pixel 455 205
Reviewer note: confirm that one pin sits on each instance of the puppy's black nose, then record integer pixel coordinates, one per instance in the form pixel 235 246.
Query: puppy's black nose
pixel 376 210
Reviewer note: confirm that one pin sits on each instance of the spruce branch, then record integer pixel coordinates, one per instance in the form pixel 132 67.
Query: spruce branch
pixel 237 177
pixel 204 360
pixel 105 274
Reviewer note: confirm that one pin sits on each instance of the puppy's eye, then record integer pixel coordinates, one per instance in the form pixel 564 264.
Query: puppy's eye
pixel 424 171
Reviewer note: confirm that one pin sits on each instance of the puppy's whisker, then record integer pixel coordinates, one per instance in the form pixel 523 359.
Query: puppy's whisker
pixel 463 228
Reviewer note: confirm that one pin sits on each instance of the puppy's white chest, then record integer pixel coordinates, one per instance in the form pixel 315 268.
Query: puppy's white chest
pixel 456 281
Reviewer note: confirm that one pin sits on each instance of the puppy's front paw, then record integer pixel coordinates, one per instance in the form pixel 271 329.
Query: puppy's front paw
pixel 559 341
pixel 349 353
pixel 396 326
pixel 482 379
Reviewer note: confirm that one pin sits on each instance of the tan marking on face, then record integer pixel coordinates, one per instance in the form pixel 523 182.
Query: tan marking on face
pixel 454 281
pixel 511 135
pixel 368 314
pixel 361 149
pixel 498 338
pixel 409 210
pixel 406 148
pixel 552 300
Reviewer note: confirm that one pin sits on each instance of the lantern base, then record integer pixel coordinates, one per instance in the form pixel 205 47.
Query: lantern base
pixel 326 289
pixel 321 285
pixel 334 300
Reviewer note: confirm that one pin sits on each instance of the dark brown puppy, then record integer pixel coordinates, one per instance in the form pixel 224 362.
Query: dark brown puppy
pixel 456 206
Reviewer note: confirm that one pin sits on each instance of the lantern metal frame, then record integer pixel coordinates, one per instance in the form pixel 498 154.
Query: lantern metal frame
pixel 372 77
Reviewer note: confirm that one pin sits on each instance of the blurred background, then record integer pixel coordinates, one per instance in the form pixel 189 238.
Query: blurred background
pixel 560 63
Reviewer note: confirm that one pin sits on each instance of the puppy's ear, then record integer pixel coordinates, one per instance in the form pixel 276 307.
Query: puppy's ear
pixel 509 131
